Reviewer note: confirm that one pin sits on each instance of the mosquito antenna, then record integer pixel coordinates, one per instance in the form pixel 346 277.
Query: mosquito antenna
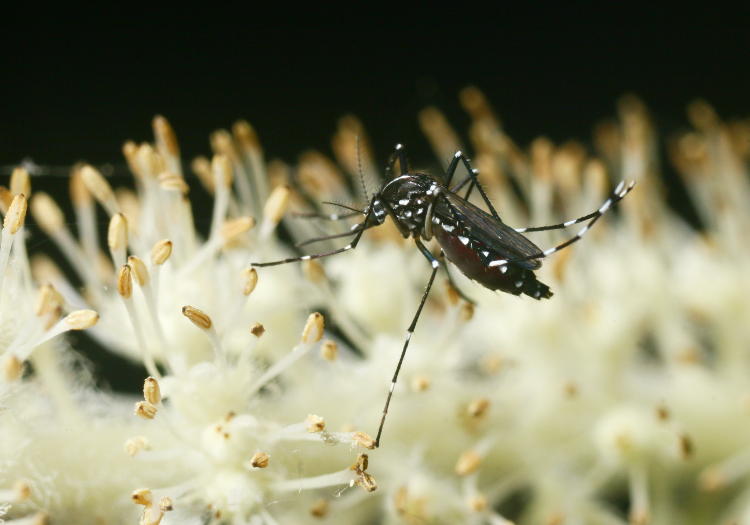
pixel 343 206
pixel 361 173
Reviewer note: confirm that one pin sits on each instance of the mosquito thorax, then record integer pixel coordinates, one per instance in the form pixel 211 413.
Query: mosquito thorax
pixel 408 199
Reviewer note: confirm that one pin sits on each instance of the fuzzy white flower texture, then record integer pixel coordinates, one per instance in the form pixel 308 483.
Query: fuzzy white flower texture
pixel 621 399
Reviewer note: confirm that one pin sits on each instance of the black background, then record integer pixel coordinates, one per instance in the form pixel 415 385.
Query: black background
pixel 78 85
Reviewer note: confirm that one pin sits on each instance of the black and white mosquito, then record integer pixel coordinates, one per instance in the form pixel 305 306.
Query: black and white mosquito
pixel 479 243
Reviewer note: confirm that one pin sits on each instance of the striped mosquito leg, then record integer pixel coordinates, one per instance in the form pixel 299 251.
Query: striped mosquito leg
pixel 473 177
pixel 399 153
pixel 435 266
pixel 615 197
pixel 355 229
pixel 619 193
pixel 349 246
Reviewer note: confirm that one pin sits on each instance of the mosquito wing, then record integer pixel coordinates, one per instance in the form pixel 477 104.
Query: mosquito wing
pixel 474 222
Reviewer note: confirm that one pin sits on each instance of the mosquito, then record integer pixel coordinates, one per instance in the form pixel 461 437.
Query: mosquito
pixel 478 243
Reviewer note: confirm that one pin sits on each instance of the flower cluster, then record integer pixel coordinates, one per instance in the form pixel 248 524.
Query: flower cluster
pixel 621 399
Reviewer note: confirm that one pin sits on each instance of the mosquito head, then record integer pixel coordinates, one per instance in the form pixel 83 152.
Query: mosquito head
pixel 375 211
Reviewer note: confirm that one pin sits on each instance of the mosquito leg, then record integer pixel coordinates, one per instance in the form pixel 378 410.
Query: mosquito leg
pixel 473 173
pixel 613 199
pixel 349 246
pixel 398 153
pixel 435 265
pixel 619 193
pixel 355 229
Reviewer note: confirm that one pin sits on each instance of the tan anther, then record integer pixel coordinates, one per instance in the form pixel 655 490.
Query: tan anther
pixel 201 167
pixel 314 423
pixel 221 142
pixel 166 504
pixel 595 175
pixel 142 497
pixel 314 271
pixel 662 413
pixel 47 213
pixel 492 363
pixel 117 234
pixel 22 489
pixel 48 300
pixel 161 251
pixel 20 182
pixel 222 169
pixel 138 270
pixel 478 503
pixel 313 331
pixel 685 446
pixel 364 440
pixel 12 368
pixel 197 317
pixel 145 410
pixel 40 518
pixel 361 463
pixel 702 115
pixel 150 162
pixel 166 139
pixel 319 508
pixel 466 312
pixel 329 350
pixel 570 389
pixel 249 280
pixel 478 407
pixel 44 269
pixel 364 480
pixel 233 228
pixel 452 294
pixel 276 204
pixel 474 102
pixel 257 329
pixel 541 159
pixel 468 463
pixel 81 319
pixel 420 383
pixel 97 185
pixel 560 264
pixel 6 197
pixel 79 193
pixel 136 444
pixel 442 137
pixel 712 479
pixel 278 175
pixel 124 282
pixel 151 391
pixel 245 135
pixel 401 500
pixel 169 181
pixel 16 214
pixel 367 482
pixel 130 152
pixel 260 460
